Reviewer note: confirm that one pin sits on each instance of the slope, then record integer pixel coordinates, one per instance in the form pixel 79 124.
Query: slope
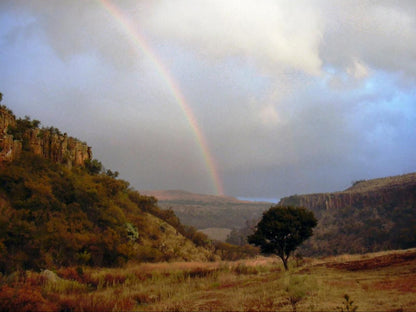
pixel 209 211
pixel 371 215
pixel 55 212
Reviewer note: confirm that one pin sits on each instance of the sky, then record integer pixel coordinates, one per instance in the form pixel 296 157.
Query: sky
pixel 256 99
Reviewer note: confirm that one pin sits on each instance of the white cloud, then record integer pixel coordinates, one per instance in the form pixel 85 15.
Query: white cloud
pixel 358 70
pixel 277 35
pixel 377 33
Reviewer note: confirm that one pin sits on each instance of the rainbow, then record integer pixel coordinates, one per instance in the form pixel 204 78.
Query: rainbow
pixel 140 42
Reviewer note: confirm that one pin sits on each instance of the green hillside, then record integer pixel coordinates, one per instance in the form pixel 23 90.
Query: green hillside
pixel 372 215
pixel 54 213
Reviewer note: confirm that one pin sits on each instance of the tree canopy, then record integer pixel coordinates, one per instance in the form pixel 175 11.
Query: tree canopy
pixel 282 229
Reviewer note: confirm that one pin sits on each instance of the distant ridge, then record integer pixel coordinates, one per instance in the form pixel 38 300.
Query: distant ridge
pixel 163 195
pixel 209 211
pixel 371 215
pixel 383 183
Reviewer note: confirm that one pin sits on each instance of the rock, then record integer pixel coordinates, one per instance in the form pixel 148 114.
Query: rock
pixel 50 276
pixel 48 143
pixel 394 191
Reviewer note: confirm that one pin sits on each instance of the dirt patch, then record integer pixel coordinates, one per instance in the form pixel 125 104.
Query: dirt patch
pixel 375 263
pixel 404 284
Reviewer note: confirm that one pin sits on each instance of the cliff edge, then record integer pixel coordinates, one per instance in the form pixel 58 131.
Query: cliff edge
pixel 371 215
pixel 17 135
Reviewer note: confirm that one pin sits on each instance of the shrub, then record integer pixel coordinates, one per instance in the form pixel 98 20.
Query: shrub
pixel 23 298
pixel 348 305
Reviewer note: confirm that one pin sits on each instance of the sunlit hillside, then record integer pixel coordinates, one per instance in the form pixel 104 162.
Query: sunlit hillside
pixel 60 209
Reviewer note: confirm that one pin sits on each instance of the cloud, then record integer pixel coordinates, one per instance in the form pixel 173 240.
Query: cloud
pixel 375 32
pixel 358 70
pixel 292 96
pixel 269 115
pixel 77 27
pixel 276 35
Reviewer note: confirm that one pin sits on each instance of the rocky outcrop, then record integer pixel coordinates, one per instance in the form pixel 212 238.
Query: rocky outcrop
pixel 392 191
pixel 48 143
pixel 370 216
pixel 9 147
pixel 57 147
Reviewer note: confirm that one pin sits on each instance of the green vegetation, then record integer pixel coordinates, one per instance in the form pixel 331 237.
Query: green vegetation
pixel 53 216
pixel 22 125
pixel 282 230
pixel 348 305
pixel 76 238
pixel 372 215
pixel 364 228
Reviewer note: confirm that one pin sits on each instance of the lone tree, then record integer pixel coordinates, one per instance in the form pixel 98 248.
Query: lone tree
pixel 282 229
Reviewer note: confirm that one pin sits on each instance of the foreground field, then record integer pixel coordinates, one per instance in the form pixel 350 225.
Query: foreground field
pixel 374 282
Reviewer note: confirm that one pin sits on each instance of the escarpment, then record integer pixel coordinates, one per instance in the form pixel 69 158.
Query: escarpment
pixel 17 135
pixel 372 215
pixel 390 191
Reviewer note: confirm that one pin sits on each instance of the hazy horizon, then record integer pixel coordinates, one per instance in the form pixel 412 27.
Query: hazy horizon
pixel 257 99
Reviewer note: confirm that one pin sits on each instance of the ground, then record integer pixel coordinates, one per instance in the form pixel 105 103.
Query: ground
pixel 383 281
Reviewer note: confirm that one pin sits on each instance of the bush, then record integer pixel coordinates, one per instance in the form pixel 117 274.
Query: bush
pixel 23 298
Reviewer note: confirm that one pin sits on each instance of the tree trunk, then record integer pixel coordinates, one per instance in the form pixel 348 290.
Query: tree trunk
pixel 284 259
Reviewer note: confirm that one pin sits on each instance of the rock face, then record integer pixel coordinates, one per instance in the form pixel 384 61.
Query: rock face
pixel 9 148
pixel 393 191
pixel 370 216
pixel 43 142
pixel 58 148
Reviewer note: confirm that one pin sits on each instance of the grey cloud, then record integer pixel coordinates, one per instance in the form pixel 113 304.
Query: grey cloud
pixel 292 97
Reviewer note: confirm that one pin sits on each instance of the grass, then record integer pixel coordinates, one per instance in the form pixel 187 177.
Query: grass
pixel 374 282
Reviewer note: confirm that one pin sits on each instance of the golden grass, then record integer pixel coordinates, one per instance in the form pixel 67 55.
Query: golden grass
pixel 261 284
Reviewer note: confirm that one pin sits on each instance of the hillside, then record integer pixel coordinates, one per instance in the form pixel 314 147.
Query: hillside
pixel 209 211
pixel 371 215
pixel 59 207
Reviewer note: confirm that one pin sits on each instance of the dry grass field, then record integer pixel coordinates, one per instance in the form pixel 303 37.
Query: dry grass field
pixel 383 281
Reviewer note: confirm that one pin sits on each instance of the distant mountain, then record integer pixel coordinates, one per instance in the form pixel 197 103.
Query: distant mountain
pixel 180 195
pixel 209 211
pixel 371 215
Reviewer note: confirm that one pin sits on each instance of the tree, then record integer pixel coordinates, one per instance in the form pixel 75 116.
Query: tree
pixel 282 229
pixel 93 167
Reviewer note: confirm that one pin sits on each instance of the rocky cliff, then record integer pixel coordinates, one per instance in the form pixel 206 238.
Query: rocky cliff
pixel 392 191
pixel 46 142
pixel 371 215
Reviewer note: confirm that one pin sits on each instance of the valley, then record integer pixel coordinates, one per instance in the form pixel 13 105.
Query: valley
pixel 74 237
pixel 210 212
